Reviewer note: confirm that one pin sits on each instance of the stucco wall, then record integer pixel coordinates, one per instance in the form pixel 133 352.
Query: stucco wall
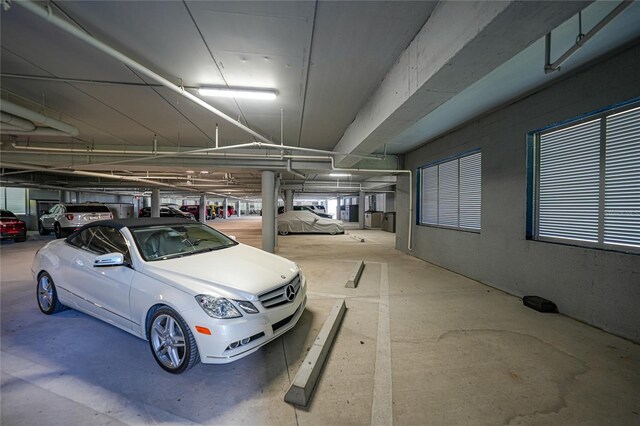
pixel 599 287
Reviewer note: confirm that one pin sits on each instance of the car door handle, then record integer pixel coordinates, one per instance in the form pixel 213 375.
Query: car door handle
pixel 79 262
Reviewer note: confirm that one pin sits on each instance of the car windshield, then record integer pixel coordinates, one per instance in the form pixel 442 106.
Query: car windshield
pixel 162 242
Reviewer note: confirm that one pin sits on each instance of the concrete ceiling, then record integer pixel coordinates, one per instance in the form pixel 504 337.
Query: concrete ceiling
pixel 351 77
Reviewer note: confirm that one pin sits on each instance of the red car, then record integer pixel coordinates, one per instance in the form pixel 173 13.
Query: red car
pixel 11 227
pixel 230 211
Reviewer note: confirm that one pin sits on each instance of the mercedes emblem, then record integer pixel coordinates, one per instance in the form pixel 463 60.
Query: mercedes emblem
pixel 290 293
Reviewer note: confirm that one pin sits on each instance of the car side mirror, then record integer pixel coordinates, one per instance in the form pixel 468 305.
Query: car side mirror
pixel 109 259
pixel 233 237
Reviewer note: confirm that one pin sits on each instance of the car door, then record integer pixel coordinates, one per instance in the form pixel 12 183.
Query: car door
pixel 104 291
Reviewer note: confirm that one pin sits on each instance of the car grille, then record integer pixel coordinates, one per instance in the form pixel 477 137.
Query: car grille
pixel 278 296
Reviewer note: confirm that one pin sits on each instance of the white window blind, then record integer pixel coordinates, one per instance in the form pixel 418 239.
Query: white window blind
pixel 470 191
pixel 15 200
pixel 451 193
pixel 430 195
pixel 588 187
pixel 622 179
pixel 569 182
pixel 448 193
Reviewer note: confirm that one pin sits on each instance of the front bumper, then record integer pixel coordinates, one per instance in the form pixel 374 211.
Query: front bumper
pixel 260 329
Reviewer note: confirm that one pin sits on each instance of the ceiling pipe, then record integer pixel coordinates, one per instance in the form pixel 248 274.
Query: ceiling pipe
pixel 107 176
pixel 12 122
pixel 222 148
pixel 409 172
pixel 47 15
pixel 37 118
pixel 582 39
pixel 294 172
pixel 38 131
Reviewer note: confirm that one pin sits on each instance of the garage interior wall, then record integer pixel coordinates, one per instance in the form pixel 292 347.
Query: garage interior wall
pixel 599 287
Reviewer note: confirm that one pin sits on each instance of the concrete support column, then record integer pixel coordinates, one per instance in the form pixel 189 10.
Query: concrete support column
pixel 275 208
pixel 288 200
pixel 338 211
pixel 361 210
pixel 64 196
pixel 155 203
pixel 225 212
pixel 390 202
pixel 203 209
pixel 268 211
pixel 238 209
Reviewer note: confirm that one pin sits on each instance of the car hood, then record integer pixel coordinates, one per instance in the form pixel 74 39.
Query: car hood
pixel 238 271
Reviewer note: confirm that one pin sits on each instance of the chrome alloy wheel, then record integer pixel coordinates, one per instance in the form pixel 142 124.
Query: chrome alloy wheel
pixel 167 340
pixel 45 292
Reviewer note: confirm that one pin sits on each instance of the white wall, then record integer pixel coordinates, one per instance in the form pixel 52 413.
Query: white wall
pixel 598 287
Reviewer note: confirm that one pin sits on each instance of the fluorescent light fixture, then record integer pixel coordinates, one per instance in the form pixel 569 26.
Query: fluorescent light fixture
pixel 339 174
pixel 223 92
pixel 204 172
pixel 190 171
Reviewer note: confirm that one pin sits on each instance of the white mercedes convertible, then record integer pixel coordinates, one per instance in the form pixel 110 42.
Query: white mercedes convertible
pixel 194 293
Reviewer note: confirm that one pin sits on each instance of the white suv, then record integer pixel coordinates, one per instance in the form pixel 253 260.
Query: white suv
pixel 65 218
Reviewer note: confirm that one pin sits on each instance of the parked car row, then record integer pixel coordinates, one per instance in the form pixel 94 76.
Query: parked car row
pixel 167 211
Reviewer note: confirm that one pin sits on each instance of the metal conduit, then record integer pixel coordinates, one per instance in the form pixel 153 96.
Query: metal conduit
pixel 47 15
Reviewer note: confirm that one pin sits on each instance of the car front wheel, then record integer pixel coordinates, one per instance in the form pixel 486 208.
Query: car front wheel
pixel 47 295
pixel 172 343
pixel 42 230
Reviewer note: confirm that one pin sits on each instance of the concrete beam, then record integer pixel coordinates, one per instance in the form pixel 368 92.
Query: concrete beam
pixel 459 44
pixel 307 376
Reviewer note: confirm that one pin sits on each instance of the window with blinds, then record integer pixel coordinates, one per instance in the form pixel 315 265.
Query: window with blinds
pixel 588 181
pixel 14 200
pixel 450 193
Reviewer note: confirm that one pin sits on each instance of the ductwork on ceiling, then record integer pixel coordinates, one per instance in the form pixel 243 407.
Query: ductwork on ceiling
pixel 17 120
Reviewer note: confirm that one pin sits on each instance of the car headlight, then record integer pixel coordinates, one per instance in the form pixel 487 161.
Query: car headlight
pixel 217 307
pixel 248 307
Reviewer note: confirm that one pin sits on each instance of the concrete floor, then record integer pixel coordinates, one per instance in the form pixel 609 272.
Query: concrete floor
pixel 418 345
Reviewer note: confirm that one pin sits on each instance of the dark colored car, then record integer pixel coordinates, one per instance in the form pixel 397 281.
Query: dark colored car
pixel 11 227
pixel 166 211
pixel 194 209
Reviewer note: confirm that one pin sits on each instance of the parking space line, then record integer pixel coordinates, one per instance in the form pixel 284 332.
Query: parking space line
pixel 382 407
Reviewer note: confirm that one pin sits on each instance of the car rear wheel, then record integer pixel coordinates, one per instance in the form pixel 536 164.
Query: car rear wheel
pixel 172 343
pixel 20 239
pixel 57 230
pixel 41 229
pixel 47 295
